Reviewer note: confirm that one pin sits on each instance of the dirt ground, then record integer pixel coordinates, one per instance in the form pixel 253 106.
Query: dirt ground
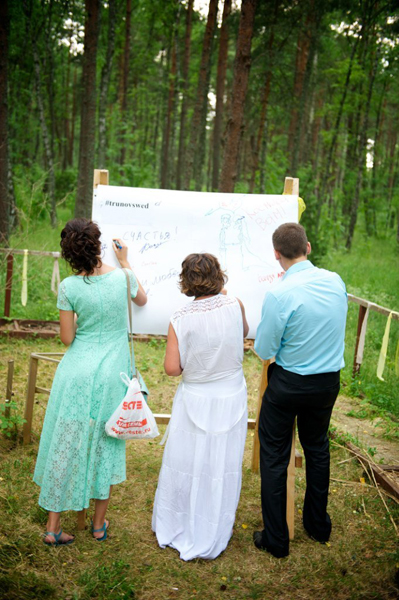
pixel 368 431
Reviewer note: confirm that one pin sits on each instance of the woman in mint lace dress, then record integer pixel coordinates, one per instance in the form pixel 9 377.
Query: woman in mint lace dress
pixel 77 461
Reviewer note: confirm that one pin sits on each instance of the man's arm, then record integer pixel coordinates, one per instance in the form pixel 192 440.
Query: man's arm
pixel 270 329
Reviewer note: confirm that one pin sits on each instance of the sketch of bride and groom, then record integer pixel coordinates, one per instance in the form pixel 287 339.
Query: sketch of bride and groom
pixel 235 239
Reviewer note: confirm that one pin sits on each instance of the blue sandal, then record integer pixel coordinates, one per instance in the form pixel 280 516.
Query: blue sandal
pixel 103 528
pixel 57 541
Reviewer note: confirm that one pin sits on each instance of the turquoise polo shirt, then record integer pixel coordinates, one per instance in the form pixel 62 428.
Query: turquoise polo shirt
pixel 303 321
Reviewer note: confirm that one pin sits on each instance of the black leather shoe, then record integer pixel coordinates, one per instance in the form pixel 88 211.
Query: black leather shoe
pixel 258 541
pixel 316 539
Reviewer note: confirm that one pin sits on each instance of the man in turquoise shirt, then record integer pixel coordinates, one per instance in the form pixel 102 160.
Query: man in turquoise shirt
pixel 303 326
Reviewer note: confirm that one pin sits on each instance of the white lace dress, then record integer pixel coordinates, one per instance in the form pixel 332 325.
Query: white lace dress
pixel 200 480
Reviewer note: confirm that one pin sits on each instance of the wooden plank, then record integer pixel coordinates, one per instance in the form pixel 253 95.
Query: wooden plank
pixel 389 468
pixel 291 186
pixel 101 177
pixel 362 314
pixel 10 251
pixel 24 335
pixel 41 390
pixel 256 444
pixel 42 354
pixel 30 397
pixel 385 482
pixel 7 298
pixel 291 488
pixel 9 392
pixel 375 307
pixel 48 359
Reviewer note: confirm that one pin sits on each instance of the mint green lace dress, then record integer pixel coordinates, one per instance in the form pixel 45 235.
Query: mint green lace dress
pixel 77 461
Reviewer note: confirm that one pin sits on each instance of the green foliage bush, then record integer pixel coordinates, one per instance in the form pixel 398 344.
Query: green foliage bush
pixel 9 423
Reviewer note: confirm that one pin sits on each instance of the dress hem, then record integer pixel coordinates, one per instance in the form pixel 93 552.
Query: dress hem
pixel 82 507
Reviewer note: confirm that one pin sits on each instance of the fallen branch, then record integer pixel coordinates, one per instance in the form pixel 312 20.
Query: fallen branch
pixel 377 474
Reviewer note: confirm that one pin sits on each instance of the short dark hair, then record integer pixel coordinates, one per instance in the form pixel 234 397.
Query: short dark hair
pixel 201 275
pixel 290 240
pixel 81 246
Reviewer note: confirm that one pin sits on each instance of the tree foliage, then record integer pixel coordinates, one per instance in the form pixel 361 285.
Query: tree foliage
pixel 321 103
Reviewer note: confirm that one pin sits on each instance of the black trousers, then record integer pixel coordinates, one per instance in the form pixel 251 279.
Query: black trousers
pixel 310 398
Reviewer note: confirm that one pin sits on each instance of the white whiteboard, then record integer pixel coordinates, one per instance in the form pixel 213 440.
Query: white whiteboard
pixel 161 227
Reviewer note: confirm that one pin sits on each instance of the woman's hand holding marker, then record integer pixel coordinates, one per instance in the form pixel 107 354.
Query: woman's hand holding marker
pixel 120 250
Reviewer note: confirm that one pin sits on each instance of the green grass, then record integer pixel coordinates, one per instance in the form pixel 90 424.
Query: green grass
pixel 359 564
pixel 370 271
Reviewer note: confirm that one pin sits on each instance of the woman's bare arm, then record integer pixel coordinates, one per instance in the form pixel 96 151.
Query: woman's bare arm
pixel 67 326
pixel 121 255
pixel 172 357
pixel 244 318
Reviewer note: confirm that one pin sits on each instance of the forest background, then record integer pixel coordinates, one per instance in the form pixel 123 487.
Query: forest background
pixel 213 96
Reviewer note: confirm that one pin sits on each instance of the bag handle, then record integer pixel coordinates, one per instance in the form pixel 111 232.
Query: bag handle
pixel 129 306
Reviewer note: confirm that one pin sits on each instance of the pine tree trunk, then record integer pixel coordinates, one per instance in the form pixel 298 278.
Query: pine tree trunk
pixel 220 87
pixel 50 78
pixel 242 66
pixel 84 194
pixel 391 173
pixel 125 77
pixel 263 111
pixel 48 155
pixel 301 60
pixel 4 198
pixel 363 128
pixel 263 152
pixel 184 105
pixel 169 118
pixel 297 148
pixel 71 142
pixel 13 211
pixel 105 77
pixel 321 189
pixel 202 92
pixel 67 132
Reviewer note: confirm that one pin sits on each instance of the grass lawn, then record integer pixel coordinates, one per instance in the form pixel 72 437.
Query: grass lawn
pixel 359 563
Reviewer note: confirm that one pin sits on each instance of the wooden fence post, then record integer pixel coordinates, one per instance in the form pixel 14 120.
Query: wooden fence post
pixel 9 393
pixel 7 298
pixel 30 398
pixel 362 314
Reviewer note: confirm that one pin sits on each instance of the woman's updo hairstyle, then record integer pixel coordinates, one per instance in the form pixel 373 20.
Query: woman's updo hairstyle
pixel 81 246
pixel 201 275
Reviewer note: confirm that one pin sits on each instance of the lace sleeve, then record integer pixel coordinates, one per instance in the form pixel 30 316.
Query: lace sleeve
pixel 134 286
pixel 63 302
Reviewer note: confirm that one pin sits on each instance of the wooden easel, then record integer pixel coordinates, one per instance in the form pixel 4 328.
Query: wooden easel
pixel 291 186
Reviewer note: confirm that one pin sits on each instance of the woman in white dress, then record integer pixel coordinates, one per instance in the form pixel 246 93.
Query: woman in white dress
pixel 200 480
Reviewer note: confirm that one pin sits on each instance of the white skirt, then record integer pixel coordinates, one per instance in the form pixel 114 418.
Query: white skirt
pixel 200 480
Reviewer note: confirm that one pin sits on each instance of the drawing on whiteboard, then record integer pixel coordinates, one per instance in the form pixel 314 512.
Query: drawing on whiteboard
pixel 234 244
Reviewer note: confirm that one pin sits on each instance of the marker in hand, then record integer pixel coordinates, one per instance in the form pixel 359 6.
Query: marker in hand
pixel 117 244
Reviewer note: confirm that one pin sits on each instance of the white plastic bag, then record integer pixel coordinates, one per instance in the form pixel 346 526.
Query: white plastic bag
pixel 133 418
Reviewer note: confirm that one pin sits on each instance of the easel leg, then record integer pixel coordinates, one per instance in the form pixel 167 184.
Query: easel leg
pixel 262 389
pixel 291 488
pixel 30 398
